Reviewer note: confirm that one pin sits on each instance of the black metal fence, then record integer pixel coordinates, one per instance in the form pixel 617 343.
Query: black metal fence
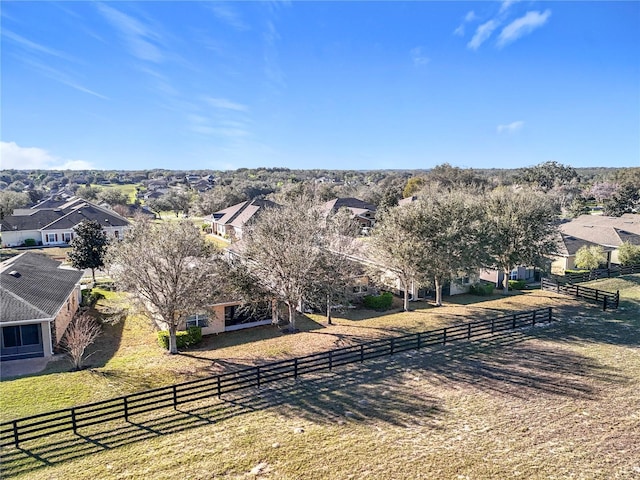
pixel 607 299
pixel 613 271
pixel 72 419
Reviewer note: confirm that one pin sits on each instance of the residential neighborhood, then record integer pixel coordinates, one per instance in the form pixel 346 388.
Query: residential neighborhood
pixel 320 240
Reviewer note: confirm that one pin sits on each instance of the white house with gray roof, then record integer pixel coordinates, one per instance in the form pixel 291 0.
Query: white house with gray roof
pixel 52 222
pixel 38 299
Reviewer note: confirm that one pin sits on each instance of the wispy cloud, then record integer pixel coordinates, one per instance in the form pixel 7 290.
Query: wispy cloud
pixel 60 76
pixel 418 57
pixel 15 156
pixel 228 15
pixel 522 26
pixel 504 6
pixel 225 104
pixel 510 127
pixel 483 32
pixel 33 46
pixel 469 17
pixel 141 40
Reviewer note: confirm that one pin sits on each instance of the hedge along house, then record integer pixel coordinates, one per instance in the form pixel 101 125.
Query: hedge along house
pixel 52 223
pixel 38 299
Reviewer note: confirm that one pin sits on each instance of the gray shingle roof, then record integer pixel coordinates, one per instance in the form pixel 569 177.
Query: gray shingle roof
pixel 38 290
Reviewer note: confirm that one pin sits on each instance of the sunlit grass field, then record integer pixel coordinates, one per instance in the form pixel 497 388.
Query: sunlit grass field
pixel 555 401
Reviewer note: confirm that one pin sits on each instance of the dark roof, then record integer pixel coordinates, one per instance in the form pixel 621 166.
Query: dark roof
pixel 569 245
pixel 350 203
pixel 240 213
pixel 69 214
pixel 37 291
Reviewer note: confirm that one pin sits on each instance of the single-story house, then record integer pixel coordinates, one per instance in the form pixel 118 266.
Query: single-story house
pixel 38 299
pixel 568 246
pixel 362 212
pixel 609 232
pixel 230 222
pixel 52 223
pixel 526 273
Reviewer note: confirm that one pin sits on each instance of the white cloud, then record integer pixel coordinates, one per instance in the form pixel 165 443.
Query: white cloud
pixel 228 15
pixel 459 31
pixel 522 26
pixel 225 104
pixel 418 57
pixel 140 39
pixel 470 16
pixel 506 4
pixel 510 127
pixel 16 157
pixel 33 46
pixel 483 32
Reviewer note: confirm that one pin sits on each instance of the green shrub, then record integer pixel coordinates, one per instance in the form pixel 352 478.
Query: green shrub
pixel 184 338
pixel 378 302
pixel 29 242
pixel 89 297
pixel 482 289
pixel 575 271
pixel 517 284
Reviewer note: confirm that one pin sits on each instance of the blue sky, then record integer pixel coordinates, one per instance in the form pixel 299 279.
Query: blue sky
pixel 336 85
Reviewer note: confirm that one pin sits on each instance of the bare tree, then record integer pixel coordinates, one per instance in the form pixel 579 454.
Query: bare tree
pixel 170 268
pixel 285 251
pixel 81 332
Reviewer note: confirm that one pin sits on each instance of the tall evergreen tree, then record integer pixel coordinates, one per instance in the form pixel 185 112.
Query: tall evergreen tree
pixel 88 247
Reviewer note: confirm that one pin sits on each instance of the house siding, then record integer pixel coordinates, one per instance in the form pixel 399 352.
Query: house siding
pixel 17 238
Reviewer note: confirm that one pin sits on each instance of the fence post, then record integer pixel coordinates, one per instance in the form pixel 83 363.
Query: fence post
pixel 493 325
pixel 16 441
pixel 617 298
pixel 444 336
pixel 597 295
pixel 577 291
pixel 258 375
pixel 361 352
pixel 295 368
pixel 175 397
pixel 550 315
pixel 126 409
pixel 330 360
pixel 604 303
pixel 73 421
pixel 514 322
pixel 391 345
pixel 219 388
pixel 419 345
pixel 533 319
pixel 469 331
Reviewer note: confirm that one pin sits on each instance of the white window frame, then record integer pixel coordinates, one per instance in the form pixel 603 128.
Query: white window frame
pixel 198 320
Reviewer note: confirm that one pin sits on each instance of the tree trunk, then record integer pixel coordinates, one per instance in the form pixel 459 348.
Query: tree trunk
pixel 329 309
pixel 505 282
pixel 173 340
pixel 292 316
pixel 93 275
pixel 438 286
pixel 274 312
pixel 405 303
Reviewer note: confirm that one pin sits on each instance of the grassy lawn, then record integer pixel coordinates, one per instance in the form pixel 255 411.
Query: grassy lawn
pixel 128 189
pixel 556 401
pixel 57 253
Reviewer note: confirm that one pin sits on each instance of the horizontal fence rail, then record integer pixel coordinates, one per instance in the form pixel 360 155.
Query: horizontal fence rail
pixel 611 272
pixel 71 419
pixel 607 299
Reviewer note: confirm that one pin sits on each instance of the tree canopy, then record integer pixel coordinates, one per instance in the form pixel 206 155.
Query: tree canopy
pixel 88 247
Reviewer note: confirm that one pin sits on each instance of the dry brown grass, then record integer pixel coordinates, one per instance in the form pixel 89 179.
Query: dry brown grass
pixel 557 401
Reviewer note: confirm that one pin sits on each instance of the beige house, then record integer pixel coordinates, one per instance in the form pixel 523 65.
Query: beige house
pixel 38 299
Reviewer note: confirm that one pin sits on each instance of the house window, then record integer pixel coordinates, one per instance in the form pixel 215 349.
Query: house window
pixel 51 237
pixel 513 275
pixel 360 289
pixel 239 314
pixel 66 237
pixel 116 234
pixel 21 335
pixel 198 320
